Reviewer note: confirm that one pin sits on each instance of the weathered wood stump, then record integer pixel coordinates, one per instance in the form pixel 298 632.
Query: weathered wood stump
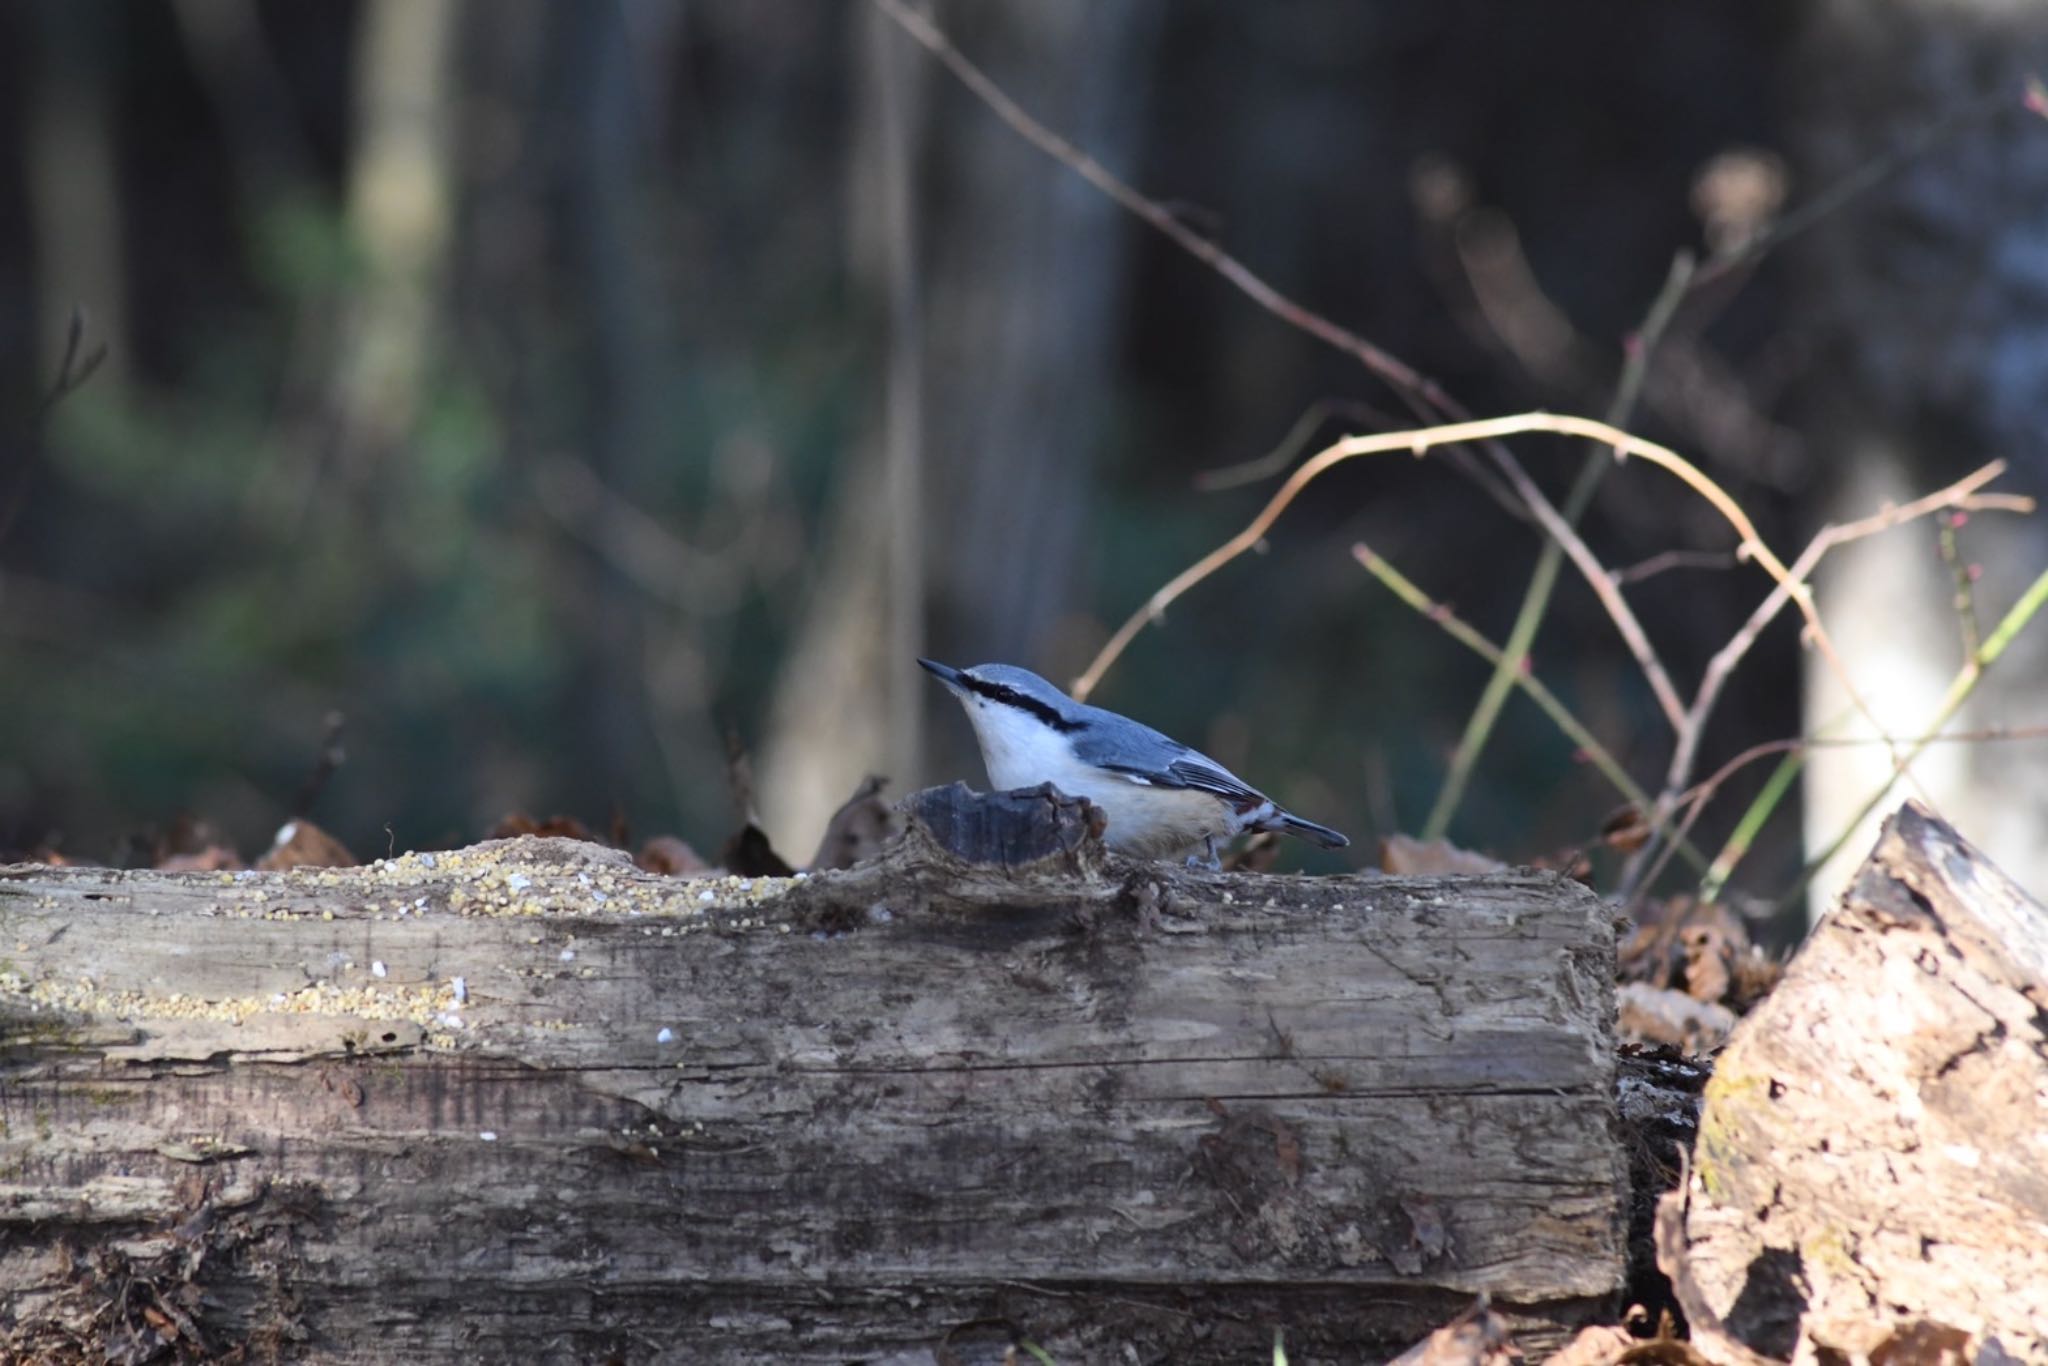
pixel 522 1101
pixel 1872 1168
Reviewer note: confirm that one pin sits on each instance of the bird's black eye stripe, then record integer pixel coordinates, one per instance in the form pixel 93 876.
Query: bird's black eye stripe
pixel 1008 696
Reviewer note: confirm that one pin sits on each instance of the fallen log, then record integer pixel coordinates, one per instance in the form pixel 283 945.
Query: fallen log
pixel 523 1101
pixel 1872 1166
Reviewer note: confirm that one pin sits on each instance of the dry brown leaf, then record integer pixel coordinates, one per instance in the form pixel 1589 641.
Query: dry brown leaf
pixel 859 828
pixel 750 854
pixel 1626 829
pixel 215 858
pixel 670 856
pixel 560 827
pixel 1406 856
pixel 1666 1015
pixel 302 844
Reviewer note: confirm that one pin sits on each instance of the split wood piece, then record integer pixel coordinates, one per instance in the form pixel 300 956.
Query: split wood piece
pixel 1873 1154
pixel 525 1099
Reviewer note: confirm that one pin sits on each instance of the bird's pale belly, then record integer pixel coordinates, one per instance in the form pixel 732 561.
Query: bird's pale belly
pixel 1144 821
pixel 1159 822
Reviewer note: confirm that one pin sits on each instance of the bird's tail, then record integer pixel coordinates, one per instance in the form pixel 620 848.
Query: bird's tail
pixel 1287 823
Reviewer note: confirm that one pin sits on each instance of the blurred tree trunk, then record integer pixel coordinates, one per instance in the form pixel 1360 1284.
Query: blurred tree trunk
pixel 400 212
pixel 847 701
pixel 1932 299
pixel 619 365
pixel 1028 270
pixel 74 183
pixel 1022 276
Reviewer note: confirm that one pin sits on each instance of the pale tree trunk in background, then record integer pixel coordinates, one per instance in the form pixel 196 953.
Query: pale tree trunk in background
pixel 1932 293
pixel 400 211
pixel 979 488
pixel 847 701
pixel 74 186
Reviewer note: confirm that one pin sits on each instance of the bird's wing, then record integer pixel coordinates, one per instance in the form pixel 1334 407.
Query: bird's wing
pixel 1200 771
pixel 1145 756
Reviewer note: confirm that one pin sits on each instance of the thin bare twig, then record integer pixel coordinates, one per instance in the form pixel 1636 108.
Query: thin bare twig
pixel 1564 535
pixel 1291 445
pixel 1703 791
pixel 1543 578
pixel 1392 369
pixel 1959 690
pixel 1667 560
pixel 1405 589
pixel 74 370
pixel 1965 601
pixel 1864 178
pixel 1961 495
pixel 1421 393
pixel 1416 442
pixel 1428 400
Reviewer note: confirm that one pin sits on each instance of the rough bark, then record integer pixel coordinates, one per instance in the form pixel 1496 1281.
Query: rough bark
pixel 523 1100
pixel 1873 1146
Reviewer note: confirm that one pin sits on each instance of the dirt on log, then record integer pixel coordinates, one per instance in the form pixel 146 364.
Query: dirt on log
pixel 523 1101
pixel 1872 1168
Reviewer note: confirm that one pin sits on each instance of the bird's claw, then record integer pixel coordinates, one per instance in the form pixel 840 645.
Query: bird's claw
pixel 1206 860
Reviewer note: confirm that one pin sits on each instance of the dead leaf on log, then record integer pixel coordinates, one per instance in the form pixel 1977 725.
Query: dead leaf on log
pixel 1406 856
pixel 1700 948
pixel 749 854
pixel 560 827
pixel 670 856
pixel 302 844
pixel 1626 829
pixel 48 857
pixel 859 829
pixel 216 858
pixel 192 846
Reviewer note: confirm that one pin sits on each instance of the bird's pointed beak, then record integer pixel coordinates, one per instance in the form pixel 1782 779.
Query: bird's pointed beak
pixel 945 673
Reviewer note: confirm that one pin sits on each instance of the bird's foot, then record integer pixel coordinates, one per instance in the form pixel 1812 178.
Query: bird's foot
pixel 1206 860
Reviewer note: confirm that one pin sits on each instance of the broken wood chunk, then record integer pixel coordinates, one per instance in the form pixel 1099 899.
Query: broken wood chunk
pixel 1873 1144
pixel 1007 829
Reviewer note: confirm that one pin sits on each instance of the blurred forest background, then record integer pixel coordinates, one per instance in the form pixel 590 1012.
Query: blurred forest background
pixel 552 389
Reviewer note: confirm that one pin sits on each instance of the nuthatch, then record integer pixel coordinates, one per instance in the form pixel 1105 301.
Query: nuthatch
pixel 1160 796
